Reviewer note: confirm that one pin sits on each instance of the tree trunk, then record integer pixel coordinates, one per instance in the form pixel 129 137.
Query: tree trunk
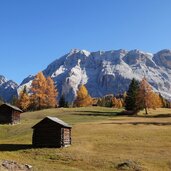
pixel 146 112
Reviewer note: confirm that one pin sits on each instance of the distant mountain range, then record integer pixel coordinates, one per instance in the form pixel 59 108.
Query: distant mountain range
pixel 103 72
pixel 8 88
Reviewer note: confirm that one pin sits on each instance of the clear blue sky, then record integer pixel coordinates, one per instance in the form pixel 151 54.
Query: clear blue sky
pixel 33 33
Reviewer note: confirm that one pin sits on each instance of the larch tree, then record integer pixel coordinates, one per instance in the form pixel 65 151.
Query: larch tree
pixel 130 99
pixel 163 101
pixel 51 93
pixel 146 98
pixel 24 100
pixel 117 103
pixel 83 98
pixel 157 102
pixel 38 89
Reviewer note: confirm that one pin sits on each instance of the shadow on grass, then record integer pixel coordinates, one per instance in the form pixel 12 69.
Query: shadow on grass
pixel 140 123
pixel 149 116
pixel 160 116
pixel 97 113
pixel 15 147
pixel 119 114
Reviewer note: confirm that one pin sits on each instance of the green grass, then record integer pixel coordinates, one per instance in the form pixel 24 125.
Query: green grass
pixel 100 140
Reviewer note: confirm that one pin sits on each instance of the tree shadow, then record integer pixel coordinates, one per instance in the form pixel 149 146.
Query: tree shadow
pixel 140 123
pixel 150 116
pixel 97 113
pixel 122 114
pixel 15 147
pixel 160 116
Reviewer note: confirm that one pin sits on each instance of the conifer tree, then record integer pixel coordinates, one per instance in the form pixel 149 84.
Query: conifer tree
pixel 83 98
pixel 62 101
pixel 130 100
pixel 39 97
pixel 51 93
pixel 24 99
pixel 146 98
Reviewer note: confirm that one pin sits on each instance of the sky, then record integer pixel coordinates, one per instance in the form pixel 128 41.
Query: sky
pixel 33 33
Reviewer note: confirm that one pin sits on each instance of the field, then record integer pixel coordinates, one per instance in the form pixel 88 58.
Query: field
pixel 101 139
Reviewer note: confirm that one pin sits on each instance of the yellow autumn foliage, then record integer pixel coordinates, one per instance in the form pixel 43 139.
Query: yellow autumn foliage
pixel 83 98
pixel 24 100
pixel 51 93
pixel 117 103
pixel 146 98
pixel 44 92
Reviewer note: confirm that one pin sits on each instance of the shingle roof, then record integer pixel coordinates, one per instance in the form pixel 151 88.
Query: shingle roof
pixel 56 120
pixel 13 107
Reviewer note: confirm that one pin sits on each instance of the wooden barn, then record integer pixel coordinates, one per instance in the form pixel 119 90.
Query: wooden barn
pixel 9 114
pixel 51 132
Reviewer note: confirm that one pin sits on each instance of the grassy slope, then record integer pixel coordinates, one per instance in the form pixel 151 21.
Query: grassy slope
pixel 100 140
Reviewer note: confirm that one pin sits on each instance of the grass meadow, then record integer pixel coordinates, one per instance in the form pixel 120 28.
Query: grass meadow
pixel 101 139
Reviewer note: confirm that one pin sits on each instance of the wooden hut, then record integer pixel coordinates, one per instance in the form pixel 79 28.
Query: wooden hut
pixel 51 132
pixel 9 114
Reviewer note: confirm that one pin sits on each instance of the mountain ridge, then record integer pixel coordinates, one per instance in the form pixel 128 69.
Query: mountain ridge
pixel 107 72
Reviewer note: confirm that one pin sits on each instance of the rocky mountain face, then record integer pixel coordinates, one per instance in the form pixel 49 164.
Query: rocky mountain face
pixel 108 72
pixel 8 88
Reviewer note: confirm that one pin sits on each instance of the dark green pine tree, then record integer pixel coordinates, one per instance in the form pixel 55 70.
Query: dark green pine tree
pixel 62 102
pixel 130 101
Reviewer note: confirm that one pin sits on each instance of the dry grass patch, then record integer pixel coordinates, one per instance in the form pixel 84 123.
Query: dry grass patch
pixel 101 141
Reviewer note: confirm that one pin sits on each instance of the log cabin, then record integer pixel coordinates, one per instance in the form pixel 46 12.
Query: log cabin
pixel 51 132
pixel 9 114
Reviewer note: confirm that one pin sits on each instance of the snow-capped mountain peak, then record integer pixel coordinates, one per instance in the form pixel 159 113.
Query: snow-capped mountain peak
pixel 7 88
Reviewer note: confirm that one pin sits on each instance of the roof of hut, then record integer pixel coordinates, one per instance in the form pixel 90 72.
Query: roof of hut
pixel 11 106
pixel 54 119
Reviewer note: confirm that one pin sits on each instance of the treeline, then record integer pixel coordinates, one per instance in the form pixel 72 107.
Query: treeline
pixel 43 94
pixel 141 96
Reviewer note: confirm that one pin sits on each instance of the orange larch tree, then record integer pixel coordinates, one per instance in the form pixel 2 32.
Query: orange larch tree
pixel 117 103
pixel 83 98
pixel 24 100
pixel 38 88
pixel 51 93
pixel 146 98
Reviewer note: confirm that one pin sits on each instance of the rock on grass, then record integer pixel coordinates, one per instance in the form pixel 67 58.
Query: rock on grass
pixel 7 165
pixel 129 165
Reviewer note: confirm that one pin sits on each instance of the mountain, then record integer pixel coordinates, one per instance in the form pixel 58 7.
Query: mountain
pixel 108 72
pixel 7 88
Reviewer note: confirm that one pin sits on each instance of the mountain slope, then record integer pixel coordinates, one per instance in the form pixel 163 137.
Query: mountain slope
pixel 106 72
pixel 7 88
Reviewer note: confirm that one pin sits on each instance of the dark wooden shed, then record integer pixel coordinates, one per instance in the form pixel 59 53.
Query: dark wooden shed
pixel 51 132
pixel 9 114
